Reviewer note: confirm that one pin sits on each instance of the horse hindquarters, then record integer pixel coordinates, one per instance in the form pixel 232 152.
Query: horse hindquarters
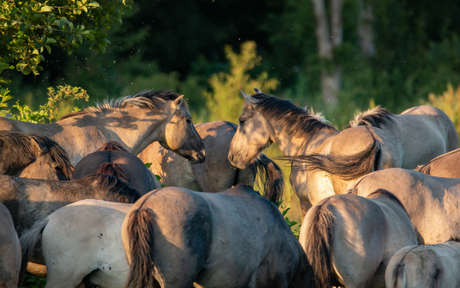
pixel 157 262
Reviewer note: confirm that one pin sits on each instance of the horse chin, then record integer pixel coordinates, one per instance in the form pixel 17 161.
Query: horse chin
pixel 192 156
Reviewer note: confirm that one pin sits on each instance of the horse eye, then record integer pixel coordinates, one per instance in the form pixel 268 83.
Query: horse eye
pixel 241 122
pixel 189 121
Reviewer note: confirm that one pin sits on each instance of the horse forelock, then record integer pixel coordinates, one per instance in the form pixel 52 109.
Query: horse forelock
pixel 153 100
pixel 300 121
pixel 376 117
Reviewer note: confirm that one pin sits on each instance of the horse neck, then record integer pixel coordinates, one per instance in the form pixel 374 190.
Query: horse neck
pixel 292 144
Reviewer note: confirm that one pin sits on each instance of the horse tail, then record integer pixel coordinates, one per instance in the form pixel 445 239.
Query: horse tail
pixel 112 169
pixel 29 241
pixel 141 234
pixel 62 159
pixel 346 167
pixel 318 244
pixel 397 276
pixel 111 146
pixel 270 177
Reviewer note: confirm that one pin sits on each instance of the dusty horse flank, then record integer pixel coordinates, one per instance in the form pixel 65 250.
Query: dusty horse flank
pixel 431 202
pixel 407 140
pixel 33 156
pixel 112 159
pixel 350 239
pixel 234 238
pixel 266 119
pixel 134 121
pixel 216 173
pixel 425 266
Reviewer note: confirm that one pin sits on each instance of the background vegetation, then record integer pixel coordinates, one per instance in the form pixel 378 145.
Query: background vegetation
pixel 210 49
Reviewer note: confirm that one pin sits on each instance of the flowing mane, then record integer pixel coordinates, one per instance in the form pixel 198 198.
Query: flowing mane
pixel 154 100
pixel 376 117
pixel 289 115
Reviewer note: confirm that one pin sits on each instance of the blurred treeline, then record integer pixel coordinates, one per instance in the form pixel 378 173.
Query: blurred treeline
pixel 180 45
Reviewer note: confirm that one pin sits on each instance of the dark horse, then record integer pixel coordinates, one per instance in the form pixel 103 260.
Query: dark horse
pixel 113 159
pixel 33 156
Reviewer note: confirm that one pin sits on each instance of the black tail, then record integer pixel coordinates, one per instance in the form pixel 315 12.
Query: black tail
pixel 140 233
pixel 29 241
pixel 270 178
pixel 318 244
pixel 346 167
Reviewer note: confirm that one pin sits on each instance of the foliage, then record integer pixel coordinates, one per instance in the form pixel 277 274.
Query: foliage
pixel 46 111
pixel 224 102
pixel 449 102
pixel 292 224
pixel 33 282
pixel 31 27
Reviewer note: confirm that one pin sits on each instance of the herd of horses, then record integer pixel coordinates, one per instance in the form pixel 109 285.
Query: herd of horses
pixel 80 206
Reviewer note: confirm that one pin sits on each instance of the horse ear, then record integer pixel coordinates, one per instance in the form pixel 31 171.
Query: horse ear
pixel 257 90
pixel 248 98
pixel 179 100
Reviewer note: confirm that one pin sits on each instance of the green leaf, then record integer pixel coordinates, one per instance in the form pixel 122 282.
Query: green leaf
pixel 46 9
pixel 93 4
pixel 24 68
pixel 148 165
pixel 51 41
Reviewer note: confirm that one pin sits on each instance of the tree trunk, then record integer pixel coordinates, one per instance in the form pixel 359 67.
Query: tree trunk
pixel 331 80
pixel 365 30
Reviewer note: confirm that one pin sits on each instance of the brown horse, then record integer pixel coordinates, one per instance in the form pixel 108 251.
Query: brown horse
pixel 10 249
pixel 445 165
pixel 425 266
pixel 216 173
pixel 350 239
pixel 134 121
pixel 431 202
pixel 174 237
pixel 378 139
pixel 113 159
pixel 266 119
pixel 33 156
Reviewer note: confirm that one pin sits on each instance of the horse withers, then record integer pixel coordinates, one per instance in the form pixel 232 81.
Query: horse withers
pixel 418 266
pixel 174 237
pixel 350 239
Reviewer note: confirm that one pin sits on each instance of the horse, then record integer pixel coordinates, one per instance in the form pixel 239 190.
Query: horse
pixel 431 202
pixel 350 239
pixel 30 200
pixel 266 119
pixel 10 249
pixel 112 159
pixel 445 165
pixel 216 173
pixel 134 121
pixel 84 235
pixel 33 156
pixel 425 266
pixel 174 237
pixel 378 139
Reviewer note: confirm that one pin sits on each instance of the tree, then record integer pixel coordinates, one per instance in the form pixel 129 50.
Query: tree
pixel 29 28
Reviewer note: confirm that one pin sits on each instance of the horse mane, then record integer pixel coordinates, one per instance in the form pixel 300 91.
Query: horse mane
pixel 154 100
pixel 270 177
pixel 111 146
pixel 113 185
pixel 25 148
pixel 112 169
pixel 377 117
pixel 289 115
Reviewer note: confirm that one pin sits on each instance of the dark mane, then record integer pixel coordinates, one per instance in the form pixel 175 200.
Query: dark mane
pixel 113 185
pixel 21 149
pixel 289 115
pixel 111 146
pixel 154 100
pixel 377 117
